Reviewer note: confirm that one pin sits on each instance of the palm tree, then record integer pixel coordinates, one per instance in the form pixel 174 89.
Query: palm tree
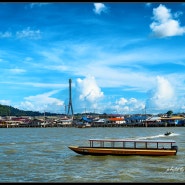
pixel 169 113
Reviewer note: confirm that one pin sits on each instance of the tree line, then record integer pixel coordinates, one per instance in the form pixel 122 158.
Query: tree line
pixel 6 110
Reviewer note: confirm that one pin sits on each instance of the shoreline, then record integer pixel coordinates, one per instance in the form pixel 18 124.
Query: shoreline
pixel 80 126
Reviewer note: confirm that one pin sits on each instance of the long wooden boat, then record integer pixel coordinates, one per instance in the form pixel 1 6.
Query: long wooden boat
pixel 127 147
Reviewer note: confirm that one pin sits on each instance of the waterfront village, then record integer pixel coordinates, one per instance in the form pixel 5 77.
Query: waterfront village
pixel 93 120
pixel 87 120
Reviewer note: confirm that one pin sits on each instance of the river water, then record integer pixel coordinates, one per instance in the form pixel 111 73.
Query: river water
pixel 42 155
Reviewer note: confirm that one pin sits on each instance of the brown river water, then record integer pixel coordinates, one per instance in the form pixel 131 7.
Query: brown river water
pixel 42 155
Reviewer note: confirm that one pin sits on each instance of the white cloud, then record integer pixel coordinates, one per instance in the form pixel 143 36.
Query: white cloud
pixel 164 25
pixel 87 95
pixel 126 106
pixel 163 96
pixel 5 102
pixel 42 102
pixel 5 34
pixel 148 4
pixel 122 101
pixel 17 71
pixel 99 8
pixel 177 14
pixel 28 33
pixel 89 89
pixel 38 4
pixel 35 84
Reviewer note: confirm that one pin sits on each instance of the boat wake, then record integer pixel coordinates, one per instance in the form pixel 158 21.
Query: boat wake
pixel 155 136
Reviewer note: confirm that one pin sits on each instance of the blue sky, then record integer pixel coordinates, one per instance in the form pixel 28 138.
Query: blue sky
pixel 122 57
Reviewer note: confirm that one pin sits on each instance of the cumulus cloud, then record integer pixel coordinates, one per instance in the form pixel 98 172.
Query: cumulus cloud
pixel 5 102
pixel 162 96
pixel 99 8
pixel 164 25
pixel 88 95
pixel 122 101
pixel 125 106
pixel 89 89
pixel 42 102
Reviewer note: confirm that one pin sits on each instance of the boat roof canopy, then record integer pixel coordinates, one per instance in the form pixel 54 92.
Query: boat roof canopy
pixel 130 140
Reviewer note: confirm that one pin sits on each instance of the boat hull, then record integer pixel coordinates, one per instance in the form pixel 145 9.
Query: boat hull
pixel 122 151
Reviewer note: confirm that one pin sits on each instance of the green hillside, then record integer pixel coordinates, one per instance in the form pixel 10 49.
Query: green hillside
pixel 6 110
